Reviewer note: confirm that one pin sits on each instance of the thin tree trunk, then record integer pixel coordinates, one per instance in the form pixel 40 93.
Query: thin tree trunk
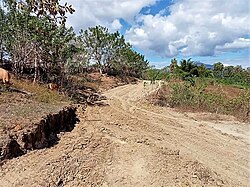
pixel 36 70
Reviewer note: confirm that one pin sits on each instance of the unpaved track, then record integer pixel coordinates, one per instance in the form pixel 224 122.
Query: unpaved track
pixel 129 143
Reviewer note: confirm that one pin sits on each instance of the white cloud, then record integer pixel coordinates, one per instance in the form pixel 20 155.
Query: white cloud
pixel 193 27
pixel 104 12
pixel 240 61
pixel 115 25
pixel 185 28
pixel 240 43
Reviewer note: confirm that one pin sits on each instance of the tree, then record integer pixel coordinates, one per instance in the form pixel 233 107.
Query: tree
pixel 50 9
pixel 96 41
pixel 228 71
pixel 111 53
pixel 187 65
pixel 218 69
pixel 202 71
pixel 189 68
pixel 238 69
pixel 77 62
pixel 130 63
pixel 35 36
pixel 173 65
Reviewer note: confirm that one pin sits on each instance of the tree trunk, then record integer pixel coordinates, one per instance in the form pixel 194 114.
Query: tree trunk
pixel 100 70
pixel 36 70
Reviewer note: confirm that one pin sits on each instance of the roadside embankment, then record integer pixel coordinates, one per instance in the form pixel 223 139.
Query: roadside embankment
pixel 42 134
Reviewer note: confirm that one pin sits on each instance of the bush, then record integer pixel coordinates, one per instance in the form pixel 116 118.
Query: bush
pixel 185 95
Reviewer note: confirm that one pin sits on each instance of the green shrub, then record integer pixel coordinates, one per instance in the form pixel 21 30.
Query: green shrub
pixel 185 95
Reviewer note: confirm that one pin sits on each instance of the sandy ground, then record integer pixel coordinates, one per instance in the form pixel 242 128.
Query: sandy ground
pixel 133 144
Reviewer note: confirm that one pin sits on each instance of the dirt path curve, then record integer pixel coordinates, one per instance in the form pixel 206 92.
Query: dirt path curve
pixel 132 144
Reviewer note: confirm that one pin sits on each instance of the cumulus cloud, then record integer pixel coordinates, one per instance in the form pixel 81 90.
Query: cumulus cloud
pixel 116 25
pixel 193 27
pixel 104 12
pixel 237 44
pixel 186 27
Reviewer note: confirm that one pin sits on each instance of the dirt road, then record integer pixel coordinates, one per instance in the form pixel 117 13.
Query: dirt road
pixel 130 143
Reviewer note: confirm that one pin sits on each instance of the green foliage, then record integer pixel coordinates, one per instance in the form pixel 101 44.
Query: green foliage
pixel 185 95
pixel 181 94
pixel 187 69
pixel 188 65
pixel 218 69
pixel 97 42
pixel 35 38
pixel 228 75
pixel 156 74
pixel 173 65
pixel 111 53
pixel 236 76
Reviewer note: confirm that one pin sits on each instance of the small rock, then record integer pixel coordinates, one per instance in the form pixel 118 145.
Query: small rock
pixel 18 127
pixel 60 182
pixel 194 176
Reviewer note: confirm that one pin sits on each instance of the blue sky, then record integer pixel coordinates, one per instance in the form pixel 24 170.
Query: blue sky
pixel 207 31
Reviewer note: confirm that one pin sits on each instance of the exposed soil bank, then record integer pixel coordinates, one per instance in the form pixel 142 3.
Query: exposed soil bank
pixel 43 134
pixel 129 142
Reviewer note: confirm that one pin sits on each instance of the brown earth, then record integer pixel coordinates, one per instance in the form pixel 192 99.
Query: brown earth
pixel 131 143
pixel 18 110
pixel 228 91
pixel 26 106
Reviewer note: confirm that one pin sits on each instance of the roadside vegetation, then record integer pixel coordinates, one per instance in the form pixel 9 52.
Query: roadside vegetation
pixel 36 45
pixel 224 90
pixel 37 49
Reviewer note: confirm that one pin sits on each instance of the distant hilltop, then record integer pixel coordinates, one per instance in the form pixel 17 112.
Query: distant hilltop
pixel 208 66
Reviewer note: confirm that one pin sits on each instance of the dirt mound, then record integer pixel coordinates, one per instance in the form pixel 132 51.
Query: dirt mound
pixel 105 82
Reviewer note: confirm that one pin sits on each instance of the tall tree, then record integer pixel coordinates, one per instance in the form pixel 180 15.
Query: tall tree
pixel 228 71
pixel 36 35
pixel 96 41
pixel 187 65
pixel 218 69
pixel 110 52
pixel 173 65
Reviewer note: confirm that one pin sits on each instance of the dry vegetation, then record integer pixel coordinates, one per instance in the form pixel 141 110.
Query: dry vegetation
pixel 216 98
pixel 40 93
pixel 23 103
pixel 22 110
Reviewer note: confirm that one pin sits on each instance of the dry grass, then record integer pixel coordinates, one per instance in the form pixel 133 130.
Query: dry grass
pixel 40 93
pixel 25 109
pixel 92 85
pixel 207 98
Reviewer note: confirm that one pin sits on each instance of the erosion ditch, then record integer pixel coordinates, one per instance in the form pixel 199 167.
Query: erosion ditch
pixel 42 134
